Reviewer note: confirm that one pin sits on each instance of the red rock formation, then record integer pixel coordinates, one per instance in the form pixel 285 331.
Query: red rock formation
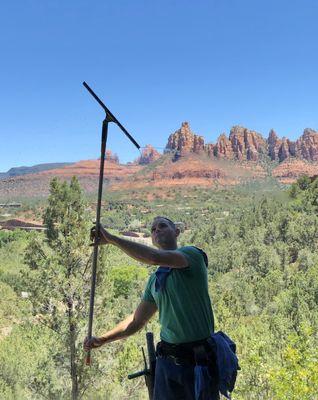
pixel 292 148
pixel 273 145
pixel 283 151
pixel 223 147
pixel 185 141
pixel 210 149
pixel 307 145
pixel 237 141
pixel 110 157
pixel 242 144
pixel 198 144
pixel 246 144
pixel 280 149
pixel 148 155
pixel 201 164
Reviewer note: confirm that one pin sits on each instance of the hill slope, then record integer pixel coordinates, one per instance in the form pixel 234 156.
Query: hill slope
pixel 16 171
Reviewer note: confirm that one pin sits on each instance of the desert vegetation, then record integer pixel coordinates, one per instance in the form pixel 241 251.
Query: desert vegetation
pixel 263 281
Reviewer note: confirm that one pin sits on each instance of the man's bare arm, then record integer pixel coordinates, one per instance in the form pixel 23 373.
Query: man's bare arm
pixel 149 255
pixel 132 324
pixel 145 254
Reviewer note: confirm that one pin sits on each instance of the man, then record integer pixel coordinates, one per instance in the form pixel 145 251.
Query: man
pixel 179 291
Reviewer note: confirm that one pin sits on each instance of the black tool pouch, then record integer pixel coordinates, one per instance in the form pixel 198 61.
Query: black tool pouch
pixel 201 357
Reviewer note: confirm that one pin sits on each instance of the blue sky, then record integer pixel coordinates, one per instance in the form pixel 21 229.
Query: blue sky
pixel 214 63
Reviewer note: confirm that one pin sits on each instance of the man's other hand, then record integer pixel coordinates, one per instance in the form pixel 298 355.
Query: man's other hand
pixel 92 343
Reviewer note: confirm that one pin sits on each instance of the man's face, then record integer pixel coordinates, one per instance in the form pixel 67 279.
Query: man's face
pixel 163 233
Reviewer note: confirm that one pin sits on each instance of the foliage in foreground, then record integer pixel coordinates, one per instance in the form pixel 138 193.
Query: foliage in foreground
pixel 263 278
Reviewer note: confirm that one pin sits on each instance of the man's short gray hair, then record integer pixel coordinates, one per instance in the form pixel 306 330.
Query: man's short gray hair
pixel 167 219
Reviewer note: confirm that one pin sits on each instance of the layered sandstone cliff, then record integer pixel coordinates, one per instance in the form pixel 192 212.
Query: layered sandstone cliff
pixel 245 145
pixel 290 170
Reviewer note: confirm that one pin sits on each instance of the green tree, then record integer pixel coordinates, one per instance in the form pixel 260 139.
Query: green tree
pixel 297 376
pixel 56 277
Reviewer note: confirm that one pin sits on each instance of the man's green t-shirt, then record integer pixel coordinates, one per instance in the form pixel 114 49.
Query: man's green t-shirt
pixel 185 312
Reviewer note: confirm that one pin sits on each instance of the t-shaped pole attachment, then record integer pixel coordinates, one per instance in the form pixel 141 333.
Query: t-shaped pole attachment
pixel 108 118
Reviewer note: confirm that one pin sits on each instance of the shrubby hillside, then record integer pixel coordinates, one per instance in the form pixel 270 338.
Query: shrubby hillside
pixel 263 280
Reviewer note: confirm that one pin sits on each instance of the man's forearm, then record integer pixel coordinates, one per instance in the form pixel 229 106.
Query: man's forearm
pixel 121 331
pixel 138 251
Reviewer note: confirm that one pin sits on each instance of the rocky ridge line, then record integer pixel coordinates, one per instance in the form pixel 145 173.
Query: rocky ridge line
pixel 245 144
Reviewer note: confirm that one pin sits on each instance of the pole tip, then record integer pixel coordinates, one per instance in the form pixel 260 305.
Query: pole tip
pixel 88 360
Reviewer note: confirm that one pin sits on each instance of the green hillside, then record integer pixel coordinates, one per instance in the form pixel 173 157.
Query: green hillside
pixel 263 280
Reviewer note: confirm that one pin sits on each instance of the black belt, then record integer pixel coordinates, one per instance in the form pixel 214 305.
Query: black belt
pixel 192 353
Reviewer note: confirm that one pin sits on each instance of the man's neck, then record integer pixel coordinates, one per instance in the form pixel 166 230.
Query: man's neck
pixel 171 246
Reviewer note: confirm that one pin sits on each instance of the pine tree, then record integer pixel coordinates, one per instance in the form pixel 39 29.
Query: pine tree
pixel 58 276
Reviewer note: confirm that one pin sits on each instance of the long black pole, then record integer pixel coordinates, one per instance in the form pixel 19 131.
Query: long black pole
pixel 109 118
pixel 95 254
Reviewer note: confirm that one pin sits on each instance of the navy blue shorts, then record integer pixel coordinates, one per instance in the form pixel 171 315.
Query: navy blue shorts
pixel 177 382
pixel 173 382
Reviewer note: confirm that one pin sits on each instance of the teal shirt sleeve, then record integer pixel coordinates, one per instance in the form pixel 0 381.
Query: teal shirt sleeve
pixel 193 255
pixel 147 296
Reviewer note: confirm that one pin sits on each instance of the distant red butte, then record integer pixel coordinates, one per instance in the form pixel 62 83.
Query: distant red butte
pixel 87 172
pixel 148 155
pixel 113 170
pixel 193 170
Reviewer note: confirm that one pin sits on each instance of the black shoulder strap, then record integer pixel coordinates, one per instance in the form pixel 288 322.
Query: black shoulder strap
pixel 204 255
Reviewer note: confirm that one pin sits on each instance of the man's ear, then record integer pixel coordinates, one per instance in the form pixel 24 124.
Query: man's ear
pixel 177 232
